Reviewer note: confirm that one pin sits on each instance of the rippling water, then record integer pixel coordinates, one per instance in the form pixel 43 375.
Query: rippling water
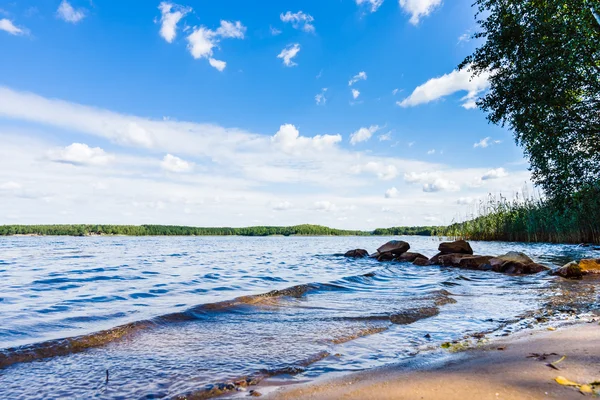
pixel 193 327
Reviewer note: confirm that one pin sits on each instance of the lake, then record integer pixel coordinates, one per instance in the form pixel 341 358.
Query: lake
pixel 167 316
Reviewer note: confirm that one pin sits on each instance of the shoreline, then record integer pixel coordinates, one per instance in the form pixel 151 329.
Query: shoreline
pixel 504 368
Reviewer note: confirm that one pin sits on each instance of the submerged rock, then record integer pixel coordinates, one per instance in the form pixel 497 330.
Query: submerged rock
pixel 456 247
pixel 421 262
pixel 410 257
pixel 395 247
pixel 357 253
pixel 451 260
pixel 385 257
pixel 480 263
pixel 576 269
pixel 413 315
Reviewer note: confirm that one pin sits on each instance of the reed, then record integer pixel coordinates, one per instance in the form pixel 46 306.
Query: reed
pixel 533 219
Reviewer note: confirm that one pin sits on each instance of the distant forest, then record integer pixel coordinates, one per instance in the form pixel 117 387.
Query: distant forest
pixel 169 230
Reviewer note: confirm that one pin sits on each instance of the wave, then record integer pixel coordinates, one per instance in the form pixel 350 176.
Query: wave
pixel 66 346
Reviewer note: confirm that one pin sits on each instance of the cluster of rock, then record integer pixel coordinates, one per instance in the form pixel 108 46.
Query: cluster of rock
pixel 459 254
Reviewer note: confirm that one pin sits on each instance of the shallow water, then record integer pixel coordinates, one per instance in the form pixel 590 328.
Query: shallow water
pixel 343 314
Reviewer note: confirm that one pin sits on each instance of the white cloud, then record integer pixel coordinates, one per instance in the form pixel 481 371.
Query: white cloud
pixel 324 206
pixel 281 206
pixel 392 193
pixel 274 31
pixel 288 53
pixel 10 185
pixel 494 174
pixel 202 41
pixel 448 84
pixel 299 20
pixel 432 182
pixel 320 98
pixel 8 26
pixel 439 185
pixel 355 94
pixel 385 137
pixel 231 30
pixel 67 13
pixel 236 171
pixel 171 14
pixel 289 140
pixel 81 154
pixel 385 172
pixel 465 200
pixel 175 164
pixel 430 152
pixel 218 64
pixel 464 38
pixel 486 142
pixel 363 134
pixel 361 76
pixel 394 92
pixel 419 8
pixel 374 4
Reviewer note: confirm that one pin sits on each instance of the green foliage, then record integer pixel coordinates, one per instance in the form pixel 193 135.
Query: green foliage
pixel 544 59
pixel 408 230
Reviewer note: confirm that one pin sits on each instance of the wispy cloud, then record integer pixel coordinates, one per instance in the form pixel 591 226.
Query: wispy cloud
pixel 288 54
pixel 67 13
pixel 320 98
pixel 363 134
pixel 299 20
pixel 486 142
pixel 373 4
pixel 361 76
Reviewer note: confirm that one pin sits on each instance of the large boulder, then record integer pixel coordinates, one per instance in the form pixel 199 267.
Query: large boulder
pixel 358 253
pixel 516 263
pixel 394 247
pixel 576 269
pixel 410 257
pixel 456 247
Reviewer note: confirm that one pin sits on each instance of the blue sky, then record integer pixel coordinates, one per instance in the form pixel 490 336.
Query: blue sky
pixel 346 113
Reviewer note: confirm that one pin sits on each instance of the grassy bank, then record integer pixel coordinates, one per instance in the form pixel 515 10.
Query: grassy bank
pixel 574 220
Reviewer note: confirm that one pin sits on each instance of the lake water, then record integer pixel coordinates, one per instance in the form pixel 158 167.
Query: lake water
pixel 181 324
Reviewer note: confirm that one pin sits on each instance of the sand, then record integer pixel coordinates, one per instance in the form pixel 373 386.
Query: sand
pixel 482 373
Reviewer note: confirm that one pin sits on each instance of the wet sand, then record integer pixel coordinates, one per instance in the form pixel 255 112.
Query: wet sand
pixel 498 370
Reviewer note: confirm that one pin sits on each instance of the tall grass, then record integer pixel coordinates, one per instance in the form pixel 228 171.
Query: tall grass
pixel 534 219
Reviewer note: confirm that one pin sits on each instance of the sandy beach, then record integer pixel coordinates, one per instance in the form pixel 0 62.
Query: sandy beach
pixel 502 369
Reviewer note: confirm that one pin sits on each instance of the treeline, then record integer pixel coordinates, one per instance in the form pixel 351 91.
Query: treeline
pixel 409 230
pixel 171 230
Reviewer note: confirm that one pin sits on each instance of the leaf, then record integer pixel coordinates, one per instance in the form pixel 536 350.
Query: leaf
pixel 586 389
pixel 561 380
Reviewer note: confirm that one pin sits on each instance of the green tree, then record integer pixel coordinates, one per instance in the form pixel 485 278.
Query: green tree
pixel 543 57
